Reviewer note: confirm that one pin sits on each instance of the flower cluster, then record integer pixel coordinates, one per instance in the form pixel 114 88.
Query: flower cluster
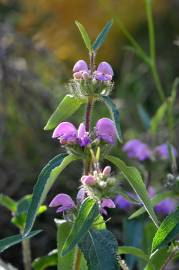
pixel 141 151
pixel 98 186
pixel 87 82
pixel 81 71
pixel 67 133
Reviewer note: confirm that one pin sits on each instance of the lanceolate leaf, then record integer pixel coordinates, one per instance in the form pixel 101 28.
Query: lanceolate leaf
pixel 45 181
pixel 134 178
pixel 85 36
pixel 134 251
pixel 15 239
pixel 102 36
pixel 88 212
pixel 169 227
pixel 115 115
pixel 100 250
pixel 67 107
pixel 46 261
pixel 7 202
pixel 155 200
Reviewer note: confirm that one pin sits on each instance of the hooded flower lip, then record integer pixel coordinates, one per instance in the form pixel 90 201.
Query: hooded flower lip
pixel 80 70
pixel 63 201
pixel 106 203
pixel 80 65
pixel 137 149
pixel 104 72
pixel 106 131
pixel 67 133
pixel 161 151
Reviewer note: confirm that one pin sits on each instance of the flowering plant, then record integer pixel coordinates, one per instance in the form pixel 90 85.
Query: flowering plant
pixel 83 240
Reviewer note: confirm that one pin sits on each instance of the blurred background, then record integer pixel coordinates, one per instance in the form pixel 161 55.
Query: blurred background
pixel 39 44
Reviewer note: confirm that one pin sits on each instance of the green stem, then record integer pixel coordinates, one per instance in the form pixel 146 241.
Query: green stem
pixel 153 65
pixel 157 81
pixel 77 260
pixel 26 254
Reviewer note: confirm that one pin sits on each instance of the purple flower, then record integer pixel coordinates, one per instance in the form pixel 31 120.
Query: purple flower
pixel 106 203
pixel 64 201
pixel 161 151
pixel 122 203
pixel 80 70
pixel 67 133
pixel 104 72
pixel 165 207
pixel 106 131
pixel 137 149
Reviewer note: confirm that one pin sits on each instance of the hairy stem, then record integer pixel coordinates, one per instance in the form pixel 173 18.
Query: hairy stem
pixel 88 113
pixel 26 254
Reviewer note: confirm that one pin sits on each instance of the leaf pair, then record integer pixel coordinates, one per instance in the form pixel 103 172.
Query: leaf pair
pixel 100 38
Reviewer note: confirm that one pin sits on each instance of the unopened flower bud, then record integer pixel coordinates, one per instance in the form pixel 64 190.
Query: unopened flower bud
pixel 78 75
pixel 88 180
pixel 107 171
pixel 85 75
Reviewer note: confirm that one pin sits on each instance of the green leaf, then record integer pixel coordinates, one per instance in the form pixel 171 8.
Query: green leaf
pixel 114 114
pixel 46 261
pixel 134 251
pixel 45 181
pixel 132 175
pixel 158 117
pixel 88 212
pixel 63 230
pixel 15 239
pixel 66 108
pixel 7 202
pixel 19 217
pixel 66 262
pixel 102 36
pixel 100 250
pixel 85 36
pixel 169 227
pixel 155 200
